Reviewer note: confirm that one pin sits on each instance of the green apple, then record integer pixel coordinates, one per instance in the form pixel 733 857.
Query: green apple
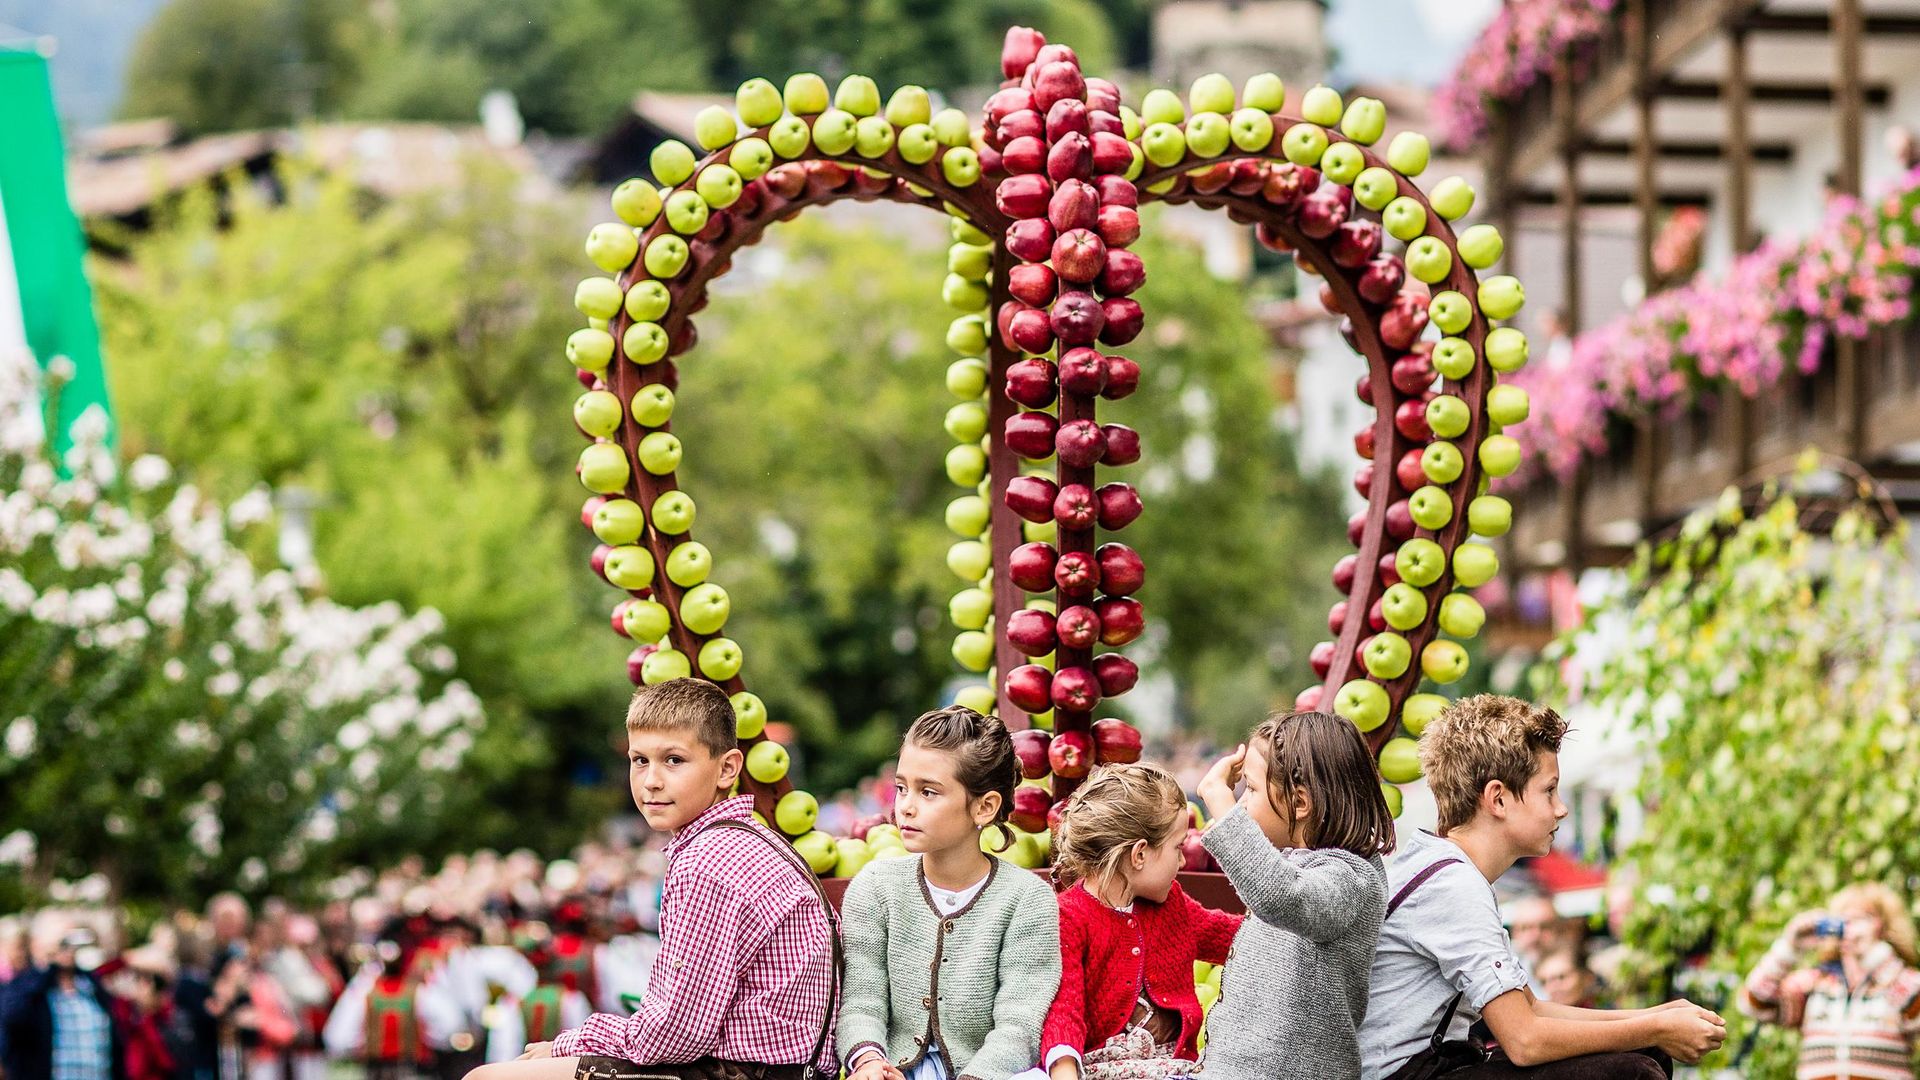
pixel 611 245
pixel 966 465
pixel 1322 106
pixel 597 297
pixel 969 559
pixel 970 261
pixel 1209 134
pixel 872 137
pixel 960 165
pixel 714 127
pixel 1481 246
pixel 590 349
pixel 917 144
pixel 1474 565
pixel 1387 656
pixel 1163 144
pixel 1443 661
pixel 718 186
pixel 767 761
pixel 1506 349
pixel 673 512
pixel 1342 162
pixel 968 515
pixel 1024 852
pixel 629 566
pixel 1395 801
pixel 660 453
pixel 834 131
pixel 789 136
pixel 1420 562
pixel 705 607
pixel 671 162
pixel 1404 606
pixel 1453 358
pixel 1404 218
pixel 967 421
pixel 1408 153
pixel 749 715
pixel 647 301
pixel 806 94
pixel 598 413
pixel 1500 455
pixel 978 697
pixel 1489 516
pixel 665 665
pixel 1507 405
pixel 796 812
pixel 1138 165
pixel 646 620
pixel 1130 125
pixel 1303 144
pixel 1162 106
pixel 1461 615
pixel 1431 507
pixel 886 835
pixel 1441 461
pixel 637 202
pixel 970 608
pixel 850 857
pixel 1374 188
pixel 688 565
pixel 967 335
pixel 1252 130
pixel 666 256
pixel 1363 702
pixel 1211 93
pixel 1448 416
pixel 1428 259
pixel 758 103
pixel 1452 198
pixel 652 405
pixel 1265 92
pixel 720 659
pixel 858 95
pixel 1502 297
pixel 952 128
pixel 909 105
pixel 973 649
pixel 1419 711
pixel 644 343
pixel 603 468
pixel 819 850
pixel 619 521
pixel 1451 311
pixel 1365 120
pixel 1039 532
pixel 962 294
pixel 1400 761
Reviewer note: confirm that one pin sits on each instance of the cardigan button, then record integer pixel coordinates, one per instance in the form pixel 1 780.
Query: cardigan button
pixel 926 1002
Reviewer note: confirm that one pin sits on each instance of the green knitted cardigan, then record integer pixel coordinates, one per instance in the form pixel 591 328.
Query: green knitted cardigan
pixel 975 984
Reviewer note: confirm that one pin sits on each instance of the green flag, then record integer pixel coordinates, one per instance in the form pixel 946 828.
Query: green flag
pixel 46 308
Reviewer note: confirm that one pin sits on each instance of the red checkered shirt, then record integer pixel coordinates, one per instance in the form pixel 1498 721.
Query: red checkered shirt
pixel 745 962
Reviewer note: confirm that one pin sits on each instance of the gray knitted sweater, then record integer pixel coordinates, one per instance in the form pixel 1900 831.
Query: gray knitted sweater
pixel 1295 986
pixel 975 984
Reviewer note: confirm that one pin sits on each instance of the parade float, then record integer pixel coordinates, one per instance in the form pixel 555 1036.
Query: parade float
pixel 1043 192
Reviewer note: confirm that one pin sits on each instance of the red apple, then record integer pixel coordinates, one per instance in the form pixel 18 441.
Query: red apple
pixel 1402 322
pixel 599 558
pixel 1337 618
pixel 1121 620
pixel 1081 444
pixel 1030 435
pixel 1117 674
pixel 1400 523
pixel 1008 101
pixel 1032 497
pixel 1115 742
pixel 1030 239
pixel 1413 373
pixel 636 660
pixel 1057 80
pixel 1031 382
pixel 1075 205
pixel 1322 214
pixel 1051 53
pixel 1212 179
pixel 1119 506
pixel 1356 242
pixel 1249 176
pixel 1344 571
pixel 1079 255
pixel 1016 54
pixel 1117 190
pixel 1025 124
pixel 1363 480
pixel 1287 184
pixel 1194 857
pixel 1032 284
pixel 1121 570
pixel 1083 371
pixel 1031 630
pixel 1112 153
pixel 1123 378
pixel 1030 329
pixel 1321 658
pixel 1363 389
pixel 1030 747
pixel 1119 225
pixel 1067 116
pixel 1408 473
pixel 1103 96
pixel 1123 444
pixel 1022 196
pixel 1030 566
pixel 1077 627
pixel 1356 527
pixel 1077 318
pixel 1075 689
pixel 589 508
pixel 620 617
pixel 1271 239
pixel 1363 441
pixel 1074 507
pixel 1071 752
pixel 1381 280
pixel 1411 420
pixel 1389 570
pixel 787 181
pixel 1329 303
pixel 1123 273
pixel 1030 806
pixel 1124 320
pixel 1076 574
pixel 1307 700
pixel 1030 688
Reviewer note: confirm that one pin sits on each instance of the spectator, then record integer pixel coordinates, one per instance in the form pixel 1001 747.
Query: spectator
pixel 56 1022
pixel 143 1013
pixel 1565 979
pixel 1537 930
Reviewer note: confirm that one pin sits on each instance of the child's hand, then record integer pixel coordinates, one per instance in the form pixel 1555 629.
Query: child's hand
pixel 537 1050
pixel 876 1067
pixel 1067 1068
pixel 1216 790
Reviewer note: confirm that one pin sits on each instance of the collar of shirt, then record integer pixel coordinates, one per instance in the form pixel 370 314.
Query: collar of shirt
pixel 738 808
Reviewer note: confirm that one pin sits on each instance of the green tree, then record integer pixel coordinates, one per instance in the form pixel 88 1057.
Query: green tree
pixel 1769 671
pixel 223 65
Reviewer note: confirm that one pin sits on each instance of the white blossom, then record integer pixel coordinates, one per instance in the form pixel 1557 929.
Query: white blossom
pixel 17 848
pixel 21 737
pixel 173 669
pixel 251 509
pixel 16 595
pixel 149 471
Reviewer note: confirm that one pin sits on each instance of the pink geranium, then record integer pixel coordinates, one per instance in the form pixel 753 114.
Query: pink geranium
pixel 1516 50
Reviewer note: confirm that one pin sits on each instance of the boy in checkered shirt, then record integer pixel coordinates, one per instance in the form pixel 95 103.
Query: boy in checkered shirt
pixel 745 984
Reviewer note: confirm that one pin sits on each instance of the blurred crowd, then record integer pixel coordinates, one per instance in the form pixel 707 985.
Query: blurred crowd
pixel 414 974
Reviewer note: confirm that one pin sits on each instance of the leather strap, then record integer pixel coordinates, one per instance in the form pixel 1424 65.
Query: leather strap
pixel 793 858
pixel 1419 879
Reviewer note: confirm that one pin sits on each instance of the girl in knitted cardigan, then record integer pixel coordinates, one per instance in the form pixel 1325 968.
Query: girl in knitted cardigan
pixel 950 953
pixel 1129 936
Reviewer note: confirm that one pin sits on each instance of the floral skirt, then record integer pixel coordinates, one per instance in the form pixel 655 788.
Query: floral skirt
pixel 1133 1055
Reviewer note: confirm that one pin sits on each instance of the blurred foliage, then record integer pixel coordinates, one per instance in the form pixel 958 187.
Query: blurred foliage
pixel 573 65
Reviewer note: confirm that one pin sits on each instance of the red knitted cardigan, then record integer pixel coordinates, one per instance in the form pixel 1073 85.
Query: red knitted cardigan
pixel 1105 955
